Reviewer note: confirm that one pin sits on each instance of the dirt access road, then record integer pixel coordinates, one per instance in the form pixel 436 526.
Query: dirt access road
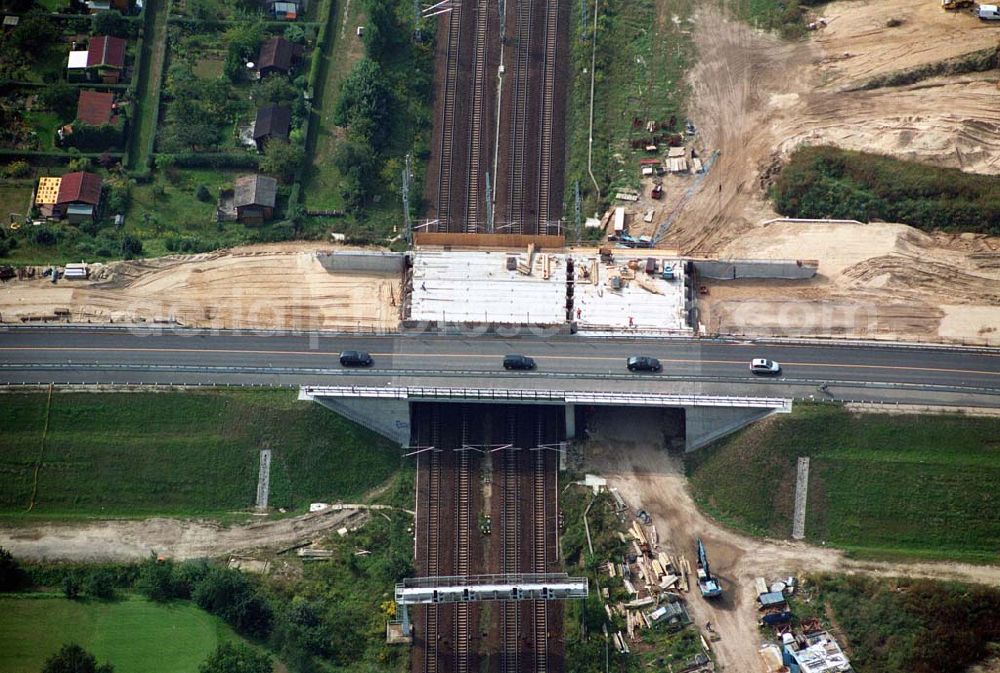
pixel 756 98
pixel 627 450
pixel 181 539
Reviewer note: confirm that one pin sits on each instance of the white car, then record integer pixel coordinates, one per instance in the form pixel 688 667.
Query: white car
pixel 764 366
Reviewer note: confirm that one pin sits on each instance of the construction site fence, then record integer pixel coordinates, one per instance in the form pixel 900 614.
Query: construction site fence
pixel 460 240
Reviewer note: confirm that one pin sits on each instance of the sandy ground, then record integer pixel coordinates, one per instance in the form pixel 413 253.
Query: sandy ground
pixel 756 98
pixel 126 540
pixel 275 286
pixel 626 449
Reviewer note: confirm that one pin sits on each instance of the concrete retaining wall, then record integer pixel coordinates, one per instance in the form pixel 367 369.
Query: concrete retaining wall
pixel 736 269
pixel 363 262
pixel 389 418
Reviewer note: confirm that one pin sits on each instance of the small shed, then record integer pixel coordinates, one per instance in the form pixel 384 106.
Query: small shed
pixel 254 197
pixel 271 122
pixel 278 55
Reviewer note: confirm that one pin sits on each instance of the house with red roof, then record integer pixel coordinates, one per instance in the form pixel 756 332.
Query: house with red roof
pixel 96 108
pixel 103 60
pixel 78 196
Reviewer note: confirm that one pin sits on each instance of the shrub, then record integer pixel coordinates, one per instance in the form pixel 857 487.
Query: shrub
pixel 72 585
pixel 822 182
pixel 11 575
pixel 44 237
pixel 100 584
pixel 17 169
pixel 229 658
pixel 72 658
pixel 202 194
pixel 131 246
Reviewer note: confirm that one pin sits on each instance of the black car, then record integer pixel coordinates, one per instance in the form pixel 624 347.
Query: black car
pixel 356 359
pixel 642 363
pixel 515 361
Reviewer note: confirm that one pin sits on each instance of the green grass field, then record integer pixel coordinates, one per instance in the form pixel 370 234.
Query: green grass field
pixel 880 485
pixel 135 636
pixel 643 52
pixel 137 454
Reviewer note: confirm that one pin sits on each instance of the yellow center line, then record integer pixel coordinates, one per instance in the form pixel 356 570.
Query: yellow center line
pixel 478 356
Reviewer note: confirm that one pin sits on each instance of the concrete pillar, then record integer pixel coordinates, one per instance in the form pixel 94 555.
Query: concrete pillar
pixel 570 421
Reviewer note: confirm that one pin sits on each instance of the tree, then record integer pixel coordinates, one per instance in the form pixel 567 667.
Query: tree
pixel 282 158
pixel 230 595
pixel 34 33
pixel 243 39
pixel 275 89
pixel 229 658
pixel 356 164
pixel 11 575
pixel 111 22
pixel 131 246
pixel 61 98
pixel 74 659
pixel 156 579
pixel 202 194
pixel 364 104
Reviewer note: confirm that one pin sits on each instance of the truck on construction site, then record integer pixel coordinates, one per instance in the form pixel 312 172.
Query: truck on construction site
pixel 657 192
pixel 707 584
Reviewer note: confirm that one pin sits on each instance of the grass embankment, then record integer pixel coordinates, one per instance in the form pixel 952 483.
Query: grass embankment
pixel 829 182
pixel 583 622
pixel 136 635
pixel 903 625
pixel 879 485
pixel 643 51
pixel 137 454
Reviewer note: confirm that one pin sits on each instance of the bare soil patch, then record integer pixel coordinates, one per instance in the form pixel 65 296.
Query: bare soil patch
pixel 272 286
pixel 756 99
pixel 176 538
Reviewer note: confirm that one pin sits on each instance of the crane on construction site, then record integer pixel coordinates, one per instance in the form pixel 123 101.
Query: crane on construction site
pixel 708 585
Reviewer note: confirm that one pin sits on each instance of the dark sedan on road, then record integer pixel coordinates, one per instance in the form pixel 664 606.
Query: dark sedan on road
pixel 643 363
pixel 356 359
pixel 516 361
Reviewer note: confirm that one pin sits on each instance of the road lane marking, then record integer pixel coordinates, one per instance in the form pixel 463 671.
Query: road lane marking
pixel 939 370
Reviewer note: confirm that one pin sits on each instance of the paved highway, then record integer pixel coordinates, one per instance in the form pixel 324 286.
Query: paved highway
pixel 134 355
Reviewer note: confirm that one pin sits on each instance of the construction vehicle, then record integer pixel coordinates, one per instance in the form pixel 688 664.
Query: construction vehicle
pixel 956 4
pixel 708 585
pixel 657 192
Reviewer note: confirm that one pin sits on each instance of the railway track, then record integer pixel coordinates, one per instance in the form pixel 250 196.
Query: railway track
pixel 548 104
pixel 519 118
pixel 463 545
pixel 448 118
pixel 474 212
pixel 431 638
pixel 510 543
pixel 539 547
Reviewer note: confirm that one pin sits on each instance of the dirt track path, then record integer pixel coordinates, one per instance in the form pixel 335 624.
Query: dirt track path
pixel 177 538
pixel 628 454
